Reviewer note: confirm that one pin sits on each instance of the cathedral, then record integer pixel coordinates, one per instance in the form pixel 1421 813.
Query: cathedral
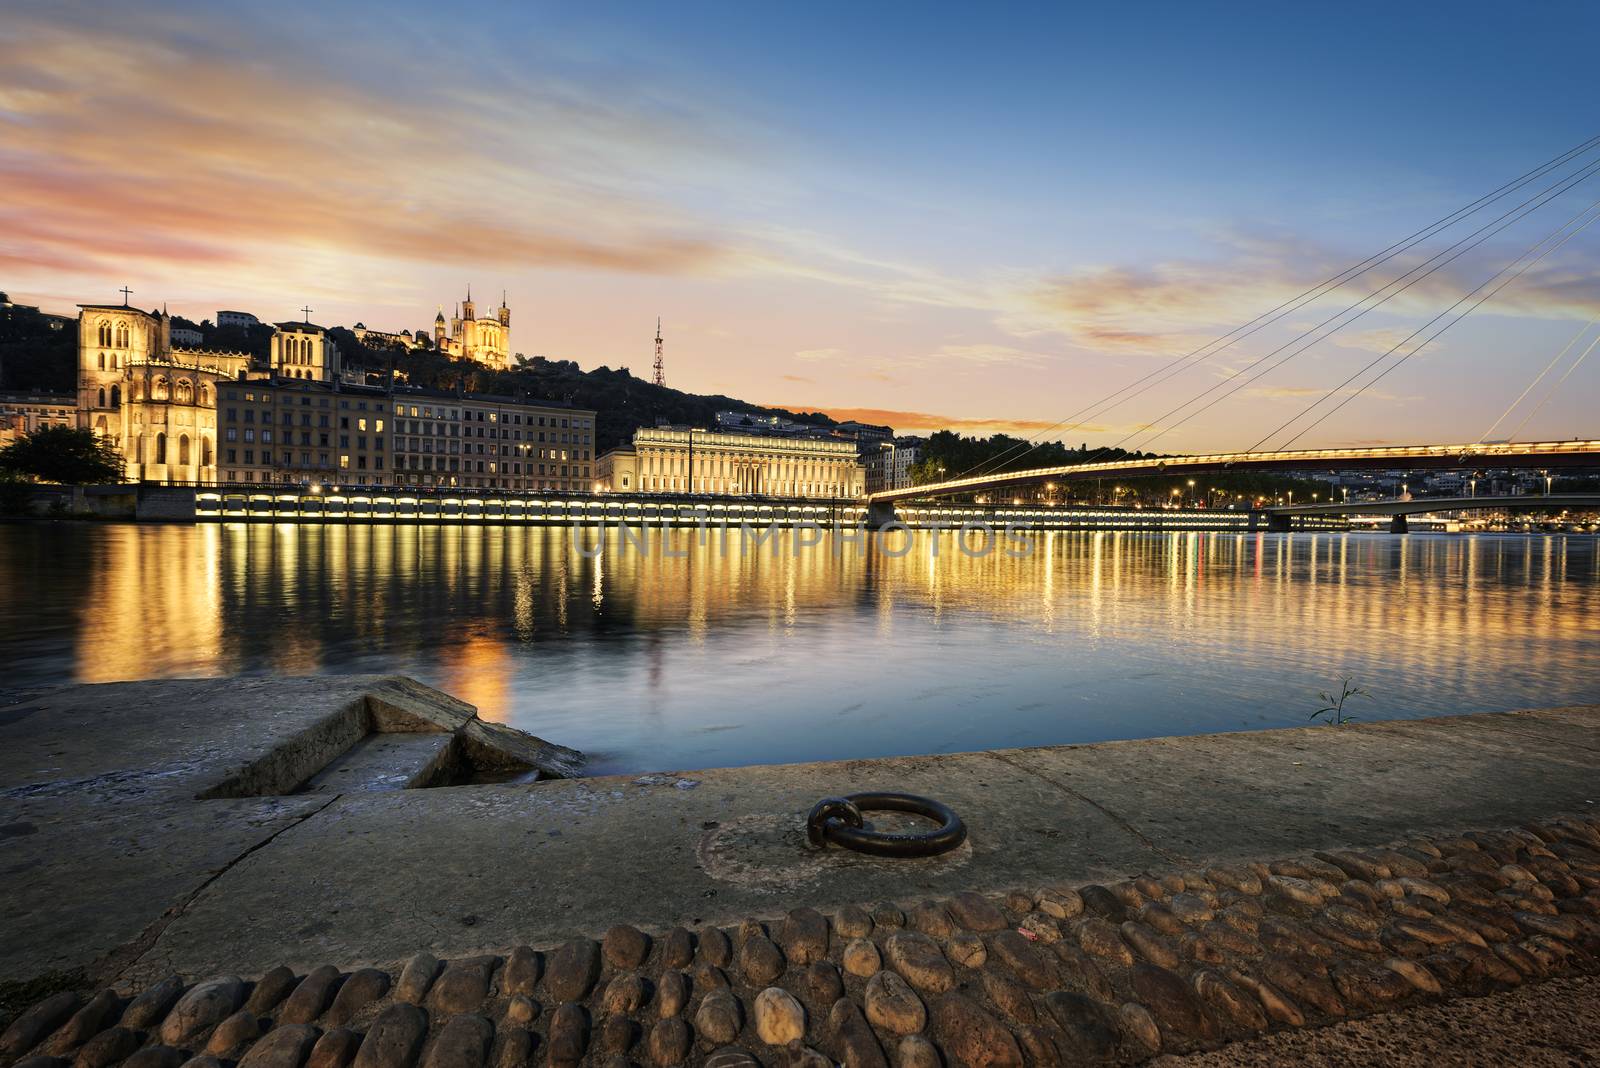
pixel 159 404
pixel 487 340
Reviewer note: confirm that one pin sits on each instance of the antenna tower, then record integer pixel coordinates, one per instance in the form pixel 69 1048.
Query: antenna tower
pixel 660 378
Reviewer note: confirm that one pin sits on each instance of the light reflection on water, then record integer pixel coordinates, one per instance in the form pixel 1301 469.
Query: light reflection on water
pixel 651 662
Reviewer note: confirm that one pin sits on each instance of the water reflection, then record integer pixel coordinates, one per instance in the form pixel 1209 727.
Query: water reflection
pixel 720 656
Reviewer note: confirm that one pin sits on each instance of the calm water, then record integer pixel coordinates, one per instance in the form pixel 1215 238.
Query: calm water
pixel 649 663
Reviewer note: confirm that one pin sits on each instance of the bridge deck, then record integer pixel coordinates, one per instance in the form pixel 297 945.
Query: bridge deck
pixel 1537 455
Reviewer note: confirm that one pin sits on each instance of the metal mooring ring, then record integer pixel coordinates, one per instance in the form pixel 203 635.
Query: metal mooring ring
pixel 838 820
pixel 835 808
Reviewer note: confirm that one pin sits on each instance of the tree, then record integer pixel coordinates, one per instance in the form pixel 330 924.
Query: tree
pixel 63 454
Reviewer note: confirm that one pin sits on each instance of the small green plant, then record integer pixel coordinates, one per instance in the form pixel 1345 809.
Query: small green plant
pixel 1333 707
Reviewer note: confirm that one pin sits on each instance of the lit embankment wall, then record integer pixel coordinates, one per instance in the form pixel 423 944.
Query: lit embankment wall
pixel 369 507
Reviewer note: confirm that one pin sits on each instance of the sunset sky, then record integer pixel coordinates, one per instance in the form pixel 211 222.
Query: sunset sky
pixel 971 216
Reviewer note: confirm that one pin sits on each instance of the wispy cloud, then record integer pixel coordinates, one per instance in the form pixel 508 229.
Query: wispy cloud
pixel 129 142
pixel 1179 306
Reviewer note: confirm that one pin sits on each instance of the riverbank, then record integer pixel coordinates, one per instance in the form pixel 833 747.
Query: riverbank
pixel 121 872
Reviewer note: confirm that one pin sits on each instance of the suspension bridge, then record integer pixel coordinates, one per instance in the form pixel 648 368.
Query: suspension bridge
pixel 1556 181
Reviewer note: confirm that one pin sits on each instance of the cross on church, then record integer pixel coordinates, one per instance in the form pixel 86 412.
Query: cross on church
pixel 125 292
pixel 308 315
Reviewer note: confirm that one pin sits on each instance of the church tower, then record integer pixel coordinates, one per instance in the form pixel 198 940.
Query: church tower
pixel 468 312
pixel 439 329
pixel 505 313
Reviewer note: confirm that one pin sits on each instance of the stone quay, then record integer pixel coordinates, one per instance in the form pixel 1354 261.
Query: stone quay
pixel 326 872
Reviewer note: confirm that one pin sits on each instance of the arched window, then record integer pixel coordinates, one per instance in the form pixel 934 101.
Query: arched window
pixel 116 396
pixel 138 449
pixel 102 396
pixel 137 392
pixel 185 393
pixel 122 335
pixel 104 333
pixel 161 448
pixel 183 448
pixel 205 395
pixel 102 361
pixel 205 452
pixel 158 391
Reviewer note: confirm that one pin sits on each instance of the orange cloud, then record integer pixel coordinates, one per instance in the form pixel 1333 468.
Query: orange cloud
pixel 151 143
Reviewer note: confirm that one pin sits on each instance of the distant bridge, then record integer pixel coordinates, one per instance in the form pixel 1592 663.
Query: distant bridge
pixel 1536 455
pixel 1280 518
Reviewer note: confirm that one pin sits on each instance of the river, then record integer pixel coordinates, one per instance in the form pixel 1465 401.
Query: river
pixel 693 654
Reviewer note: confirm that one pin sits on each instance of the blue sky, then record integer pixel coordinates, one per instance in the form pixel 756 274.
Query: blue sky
pixel 944 214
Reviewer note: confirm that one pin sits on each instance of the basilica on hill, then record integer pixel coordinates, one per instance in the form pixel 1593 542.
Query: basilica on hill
pixel 486 339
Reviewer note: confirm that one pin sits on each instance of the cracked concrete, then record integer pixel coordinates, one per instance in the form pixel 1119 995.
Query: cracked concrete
pixel 139 889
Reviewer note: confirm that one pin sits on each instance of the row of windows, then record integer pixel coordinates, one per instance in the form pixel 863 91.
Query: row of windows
pixel 110 336
pixel 485 415
pixel 155 451
pixel 515 467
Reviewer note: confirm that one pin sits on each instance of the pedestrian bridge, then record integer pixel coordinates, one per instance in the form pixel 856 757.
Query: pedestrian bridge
pixel 1537 455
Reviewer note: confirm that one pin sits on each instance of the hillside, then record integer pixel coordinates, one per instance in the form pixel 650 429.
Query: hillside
pixel 33 356
pixel 622 401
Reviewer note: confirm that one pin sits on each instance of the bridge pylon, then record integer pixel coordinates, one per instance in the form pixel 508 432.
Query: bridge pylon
pixel 880 514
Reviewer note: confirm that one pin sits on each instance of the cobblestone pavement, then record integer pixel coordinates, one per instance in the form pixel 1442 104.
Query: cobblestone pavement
pixel 1554 1024
pixel 1169 962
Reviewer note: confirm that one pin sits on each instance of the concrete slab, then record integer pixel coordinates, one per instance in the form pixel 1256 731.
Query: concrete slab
pixel 469 870
pixel 122 871
pixel 384 762
pixel 105 840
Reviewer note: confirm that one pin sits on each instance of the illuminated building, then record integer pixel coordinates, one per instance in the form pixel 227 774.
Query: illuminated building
pixel 487 340
pixel 474 440
pixel 156 403
pixel 690 460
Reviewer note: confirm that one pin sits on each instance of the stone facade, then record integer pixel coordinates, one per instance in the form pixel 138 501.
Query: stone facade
pixel 290 430
pixel 158 404
pixel 23 413
pixel 489 442
pixel 682 460
pixel 296 430
pixel 304 351
pixel 888 466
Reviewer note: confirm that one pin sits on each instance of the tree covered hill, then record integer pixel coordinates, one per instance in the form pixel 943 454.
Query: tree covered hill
pixel 622 402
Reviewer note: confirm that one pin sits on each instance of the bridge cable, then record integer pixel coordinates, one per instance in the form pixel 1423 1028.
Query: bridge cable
pixel 1478 303
pixel 1557 358
pixel 1289 306
pixel 1460 248
pixel 1551 392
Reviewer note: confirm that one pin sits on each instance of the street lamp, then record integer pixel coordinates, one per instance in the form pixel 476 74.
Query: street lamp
pixel 1191 493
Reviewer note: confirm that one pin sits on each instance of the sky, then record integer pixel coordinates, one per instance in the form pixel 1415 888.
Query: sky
pixel 975 217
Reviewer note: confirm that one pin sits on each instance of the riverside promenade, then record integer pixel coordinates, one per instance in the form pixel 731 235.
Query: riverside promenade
pixel 295 847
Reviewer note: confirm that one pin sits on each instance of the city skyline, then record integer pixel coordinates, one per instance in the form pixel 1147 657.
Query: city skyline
pixel 973 224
